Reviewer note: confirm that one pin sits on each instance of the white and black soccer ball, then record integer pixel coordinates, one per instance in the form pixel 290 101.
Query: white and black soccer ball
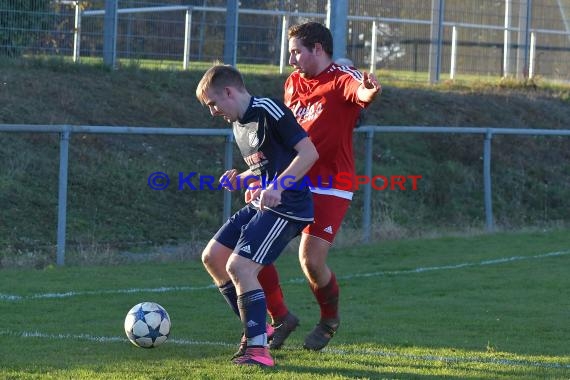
pixel 147 325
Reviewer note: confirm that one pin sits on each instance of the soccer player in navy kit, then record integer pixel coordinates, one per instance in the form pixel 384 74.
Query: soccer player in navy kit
pixel 279 153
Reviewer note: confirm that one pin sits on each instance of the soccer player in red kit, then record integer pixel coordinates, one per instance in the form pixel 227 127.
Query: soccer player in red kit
pixel 326 99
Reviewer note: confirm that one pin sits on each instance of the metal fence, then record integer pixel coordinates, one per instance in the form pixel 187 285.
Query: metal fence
pixel 487 37
pixel 65 132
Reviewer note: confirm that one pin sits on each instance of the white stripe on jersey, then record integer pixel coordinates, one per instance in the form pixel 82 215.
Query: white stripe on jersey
pixel 269 239
pixel 270 106
pixel 353 72
pixel 334 192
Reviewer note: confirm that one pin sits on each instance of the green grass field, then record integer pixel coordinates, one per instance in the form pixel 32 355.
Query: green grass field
pixel 480 307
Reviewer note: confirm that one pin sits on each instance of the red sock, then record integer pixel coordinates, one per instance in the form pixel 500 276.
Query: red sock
pixel 327 297
pixel 269 280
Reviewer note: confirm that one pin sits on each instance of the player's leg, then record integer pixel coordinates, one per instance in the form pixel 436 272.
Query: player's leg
pixel 253 311
pixel 313 253
pixel 216 254
pixel 214 258
pixel 316 241
pixel 262 241
pixel 322 281
pixel 269 279
pixel 284 322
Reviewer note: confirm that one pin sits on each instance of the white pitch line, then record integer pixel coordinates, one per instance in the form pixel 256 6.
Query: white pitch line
pixel 12 297
pixel 164 289
pixel 369 352
pixel 456 266
pixel 103 339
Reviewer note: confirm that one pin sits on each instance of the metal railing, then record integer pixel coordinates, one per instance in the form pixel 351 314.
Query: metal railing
pixel 462 38
pixel 65 132
pixel 526 51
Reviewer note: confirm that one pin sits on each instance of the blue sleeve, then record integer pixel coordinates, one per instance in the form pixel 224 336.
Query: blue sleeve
pixel 288 129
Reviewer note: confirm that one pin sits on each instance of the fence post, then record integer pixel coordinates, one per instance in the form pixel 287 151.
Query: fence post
pixel 367 203
pixel 337 12
pixel 187 37
pixel 374 46
pixel 110 33
pixel 62 195
pixel 436 39
pixel 507 40
pixel 228 163
pixel 487 180
pixel 525 14
pixel 532 63
pixel 453 53
pixel 284 43
pixel 231 40
pixel 77 33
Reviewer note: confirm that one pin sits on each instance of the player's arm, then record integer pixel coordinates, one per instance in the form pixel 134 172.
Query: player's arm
pixel 369 88
pixel 306 156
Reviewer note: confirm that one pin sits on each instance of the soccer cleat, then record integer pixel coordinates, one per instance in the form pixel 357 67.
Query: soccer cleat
pixel 243 342
pixel 255 356
pixel 241 349
pixel 282 331
pixel 320 336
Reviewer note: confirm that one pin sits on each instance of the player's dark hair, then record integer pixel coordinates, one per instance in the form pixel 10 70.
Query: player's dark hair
pixel 311 33
pixel 217 77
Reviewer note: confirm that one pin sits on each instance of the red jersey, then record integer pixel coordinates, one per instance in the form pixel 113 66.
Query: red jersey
pixel 327 107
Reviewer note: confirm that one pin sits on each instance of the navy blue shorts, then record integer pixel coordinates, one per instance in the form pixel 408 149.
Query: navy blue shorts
pixel 260 236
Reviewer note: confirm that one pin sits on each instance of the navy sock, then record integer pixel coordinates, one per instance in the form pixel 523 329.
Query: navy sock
pixel 253 312
pixel 228 290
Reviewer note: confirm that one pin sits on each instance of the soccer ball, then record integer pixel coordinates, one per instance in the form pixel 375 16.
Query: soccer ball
pixel 147 325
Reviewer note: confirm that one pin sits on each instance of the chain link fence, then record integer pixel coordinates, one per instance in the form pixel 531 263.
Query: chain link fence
pixel 479 38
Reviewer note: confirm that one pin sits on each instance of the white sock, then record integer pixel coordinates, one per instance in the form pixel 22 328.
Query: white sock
pixel 258 340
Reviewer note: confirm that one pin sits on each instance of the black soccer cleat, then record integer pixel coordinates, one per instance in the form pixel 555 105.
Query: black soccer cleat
pixel 283 330
pixel 321 335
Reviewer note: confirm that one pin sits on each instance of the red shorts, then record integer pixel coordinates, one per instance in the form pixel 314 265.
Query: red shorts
pixel 329 213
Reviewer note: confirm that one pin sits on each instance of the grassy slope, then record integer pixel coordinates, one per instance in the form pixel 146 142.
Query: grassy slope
pixel 110 205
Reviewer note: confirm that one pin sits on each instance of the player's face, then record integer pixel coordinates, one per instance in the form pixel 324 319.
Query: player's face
pixel 221 104
pixel 301 58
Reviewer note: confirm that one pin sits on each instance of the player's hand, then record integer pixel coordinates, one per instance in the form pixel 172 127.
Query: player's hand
pixel 370 82
pixel 369 87
pixel 269 197
pixel 229 180
pixel 252 191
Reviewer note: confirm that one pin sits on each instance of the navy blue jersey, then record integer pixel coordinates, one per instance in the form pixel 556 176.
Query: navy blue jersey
pixel 266 135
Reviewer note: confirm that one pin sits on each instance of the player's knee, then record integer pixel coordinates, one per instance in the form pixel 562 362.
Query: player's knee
pixel 309 267
pixel 233 267
pixel 240 267
pixel 207 257
pixel 212 258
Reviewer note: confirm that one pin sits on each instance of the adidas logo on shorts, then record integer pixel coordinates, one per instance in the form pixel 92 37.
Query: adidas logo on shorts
pixel 329 230
pixel 246 249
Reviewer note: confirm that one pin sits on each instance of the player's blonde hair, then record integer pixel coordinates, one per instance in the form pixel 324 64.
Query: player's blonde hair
pixel 216 78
